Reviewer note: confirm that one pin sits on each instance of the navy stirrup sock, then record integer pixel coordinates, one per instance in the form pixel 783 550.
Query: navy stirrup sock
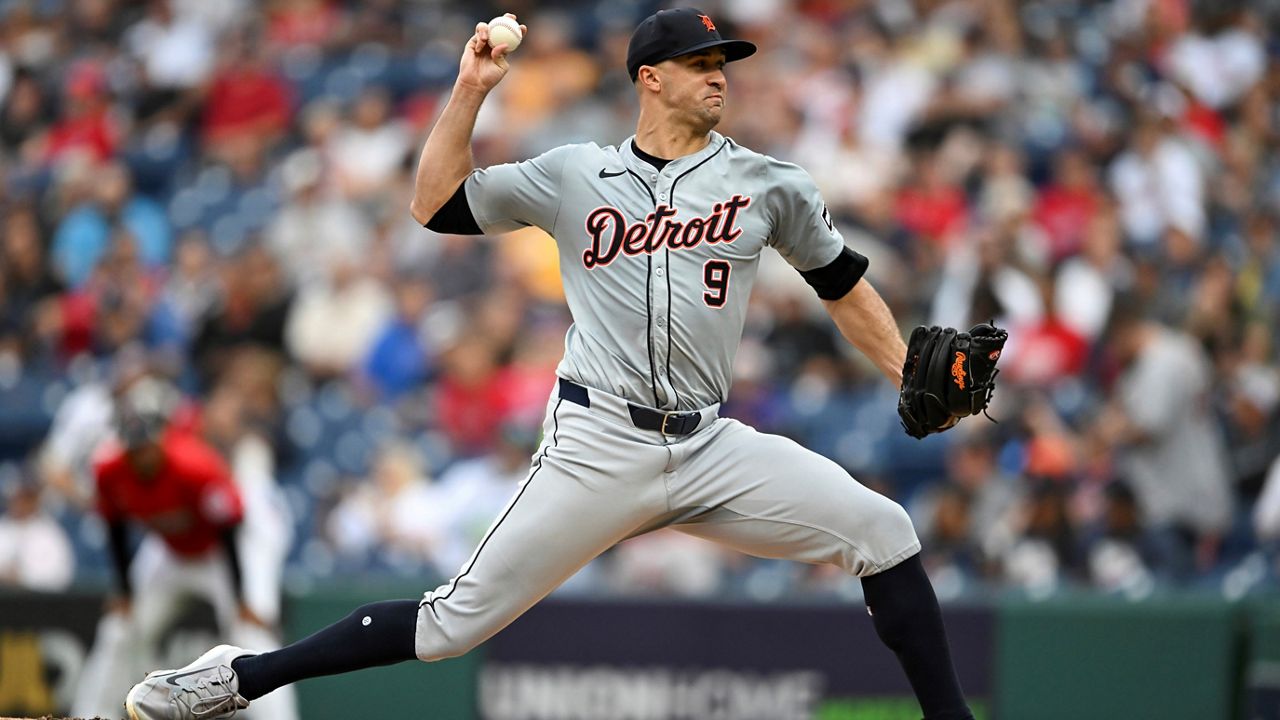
pixel 907 619
pixel 380 633
pixel 903 606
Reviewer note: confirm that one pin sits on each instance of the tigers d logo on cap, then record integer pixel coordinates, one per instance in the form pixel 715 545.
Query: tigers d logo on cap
pixel 671 33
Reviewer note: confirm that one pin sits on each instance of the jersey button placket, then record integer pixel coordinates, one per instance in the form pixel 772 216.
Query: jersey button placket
pixel 661 299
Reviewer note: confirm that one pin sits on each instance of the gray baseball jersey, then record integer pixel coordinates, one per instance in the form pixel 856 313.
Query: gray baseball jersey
pixel 657 266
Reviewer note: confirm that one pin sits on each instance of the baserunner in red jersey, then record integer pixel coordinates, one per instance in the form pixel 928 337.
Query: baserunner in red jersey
pixel 176 488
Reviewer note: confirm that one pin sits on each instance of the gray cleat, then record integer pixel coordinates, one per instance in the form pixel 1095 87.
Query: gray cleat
pixel 207 689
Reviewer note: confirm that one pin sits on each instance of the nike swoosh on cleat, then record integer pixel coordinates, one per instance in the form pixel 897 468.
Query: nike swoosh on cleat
pixel 173 679
pixel 605 174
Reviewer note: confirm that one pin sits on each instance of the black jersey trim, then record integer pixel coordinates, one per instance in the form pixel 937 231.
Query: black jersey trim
pixel 648 302
pixel 648 328
pixel 835 279
pixel 670 317
pixel 701 162
pixel 555 432
pixel 455 216
pixel 643 184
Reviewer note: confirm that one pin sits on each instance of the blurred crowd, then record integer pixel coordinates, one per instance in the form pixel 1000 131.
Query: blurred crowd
pixel 218 193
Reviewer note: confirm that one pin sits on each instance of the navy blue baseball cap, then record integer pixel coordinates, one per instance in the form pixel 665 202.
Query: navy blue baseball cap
pixel 670 33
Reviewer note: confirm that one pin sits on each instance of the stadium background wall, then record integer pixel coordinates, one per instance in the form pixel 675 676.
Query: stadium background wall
pixel 1184 658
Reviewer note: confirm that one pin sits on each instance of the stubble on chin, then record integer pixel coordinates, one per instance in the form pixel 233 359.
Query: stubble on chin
pixel 710 115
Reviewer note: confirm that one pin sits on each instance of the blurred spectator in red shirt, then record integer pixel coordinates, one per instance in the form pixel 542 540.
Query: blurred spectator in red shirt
pixel 931 206
pixel 303 22
pixel 1047 351
pixel 473 396
pixel 533 368
pixel 86 126
pixel 1066 205
pixel 247 102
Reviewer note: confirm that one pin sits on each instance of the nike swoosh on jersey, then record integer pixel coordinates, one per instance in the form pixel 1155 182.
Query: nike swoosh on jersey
pixel 606 174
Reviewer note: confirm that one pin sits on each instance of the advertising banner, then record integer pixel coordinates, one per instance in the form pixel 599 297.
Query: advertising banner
pixel 1262 670
pixel 647 661
pixel 45 639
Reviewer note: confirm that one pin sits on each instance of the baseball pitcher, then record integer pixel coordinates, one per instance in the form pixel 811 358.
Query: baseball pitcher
pixel 659 240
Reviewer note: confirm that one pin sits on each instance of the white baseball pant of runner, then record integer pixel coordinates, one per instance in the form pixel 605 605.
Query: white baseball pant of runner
pixel 125 645
pixel 263 542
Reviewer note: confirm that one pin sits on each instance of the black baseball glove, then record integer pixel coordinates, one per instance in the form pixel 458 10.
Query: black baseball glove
pixel 948 375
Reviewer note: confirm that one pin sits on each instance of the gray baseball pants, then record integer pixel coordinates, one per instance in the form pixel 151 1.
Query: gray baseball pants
pixel 597 479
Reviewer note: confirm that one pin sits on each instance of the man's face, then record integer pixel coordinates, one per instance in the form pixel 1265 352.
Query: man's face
pixel 695 84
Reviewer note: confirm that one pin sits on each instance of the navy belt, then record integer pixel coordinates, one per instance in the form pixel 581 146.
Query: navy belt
pixel 667 423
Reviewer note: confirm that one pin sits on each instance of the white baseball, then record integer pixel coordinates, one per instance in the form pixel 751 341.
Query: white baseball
pixel 504 30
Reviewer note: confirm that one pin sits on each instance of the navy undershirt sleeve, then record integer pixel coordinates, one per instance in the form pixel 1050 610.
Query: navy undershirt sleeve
pixel 455 217
pixel 834 280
